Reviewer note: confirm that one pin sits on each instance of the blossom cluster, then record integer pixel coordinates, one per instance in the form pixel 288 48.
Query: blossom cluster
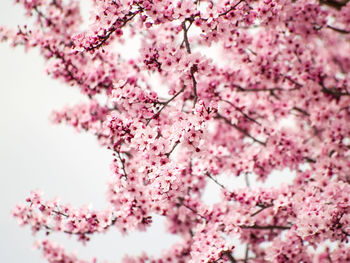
pixel 275 97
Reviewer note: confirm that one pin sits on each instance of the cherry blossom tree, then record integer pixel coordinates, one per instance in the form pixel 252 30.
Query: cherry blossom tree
pixel 275 97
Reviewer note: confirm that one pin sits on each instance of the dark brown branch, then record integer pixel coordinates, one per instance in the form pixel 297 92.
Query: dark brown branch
pixel 194 83
pixel 69 67
pixel 334 4
pixel 164 104
pixel 264 89
pixel 215 181
pixel 172 149
pixel 244 114
pixel 194 68
pixel 246 254
pixel 185 30
pixel 309 160
pixel 240 129
pixel 181 199
pixel 345 233
pixel 59 213
pixel 246 180
pixel 262 208
pixel 334 92
pixel 128 17
pixel 293 81
pixel 231 9
pixel 123 165
pixel 41 14
pixel 229 256
pixel 301 111
pixel 268 227
pixel 339 30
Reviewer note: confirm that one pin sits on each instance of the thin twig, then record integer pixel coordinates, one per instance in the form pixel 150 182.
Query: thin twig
pixel 244 114
pixel 185 30
pixel 230 257
pixel 114 27
pixel 194 68
pixel 164 104
pixel 339 30
pixel 123 166
pixel 334 4
pixel 172 149
pixel 231 9
pixel 215 181
pixel 194 82
pixel 268 227
pixel 262 208
pixel 240 129
pixel 264 89
pixel 301 111
pixel 246 254
pixel 181 199
pixel 247 180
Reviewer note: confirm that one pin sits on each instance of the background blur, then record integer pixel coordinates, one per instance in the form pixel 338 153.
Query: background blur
pixel 34 154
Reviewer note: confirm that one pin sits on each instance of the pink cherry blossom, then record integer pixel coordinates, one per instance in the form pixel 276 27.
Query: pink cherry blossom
pixel 275 97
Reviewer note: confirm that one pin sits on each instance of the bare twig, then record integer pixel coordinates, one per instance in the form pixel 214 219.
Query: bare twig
pixel 246 254
pixel 215 181
pixel 240 129
pixel 231 9
pixel 229 256
pixel 194 68
pixel 334 92
pixel 244 114
pixel 267 227
pixel 172 149
pixel 194 82
pixel 123 165
pixel 339 30
pixel 185 30
pixel 128 17
pixel 334 4
pixel 164 104
pixel 304 112
pixel 264 89
pixel 262 208
pixel 246 180
pixel 181 199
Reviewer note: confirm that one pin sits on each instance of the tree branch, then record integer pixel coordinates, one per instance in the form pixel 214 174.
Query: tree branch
pixel 194 68
pixel 262 208
pixel 172 149
pixel 185 30
pixel 123 165
pixel 229 256
pixel 194 83
pixel 164 104
pixel 342 31
pixel 244 114
pixel 268 227
pixel 246 254
pixel 231 9
pixel 181 199
pixel 240 129
pixel 128 17
pixel 215 181
pixel 334 4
